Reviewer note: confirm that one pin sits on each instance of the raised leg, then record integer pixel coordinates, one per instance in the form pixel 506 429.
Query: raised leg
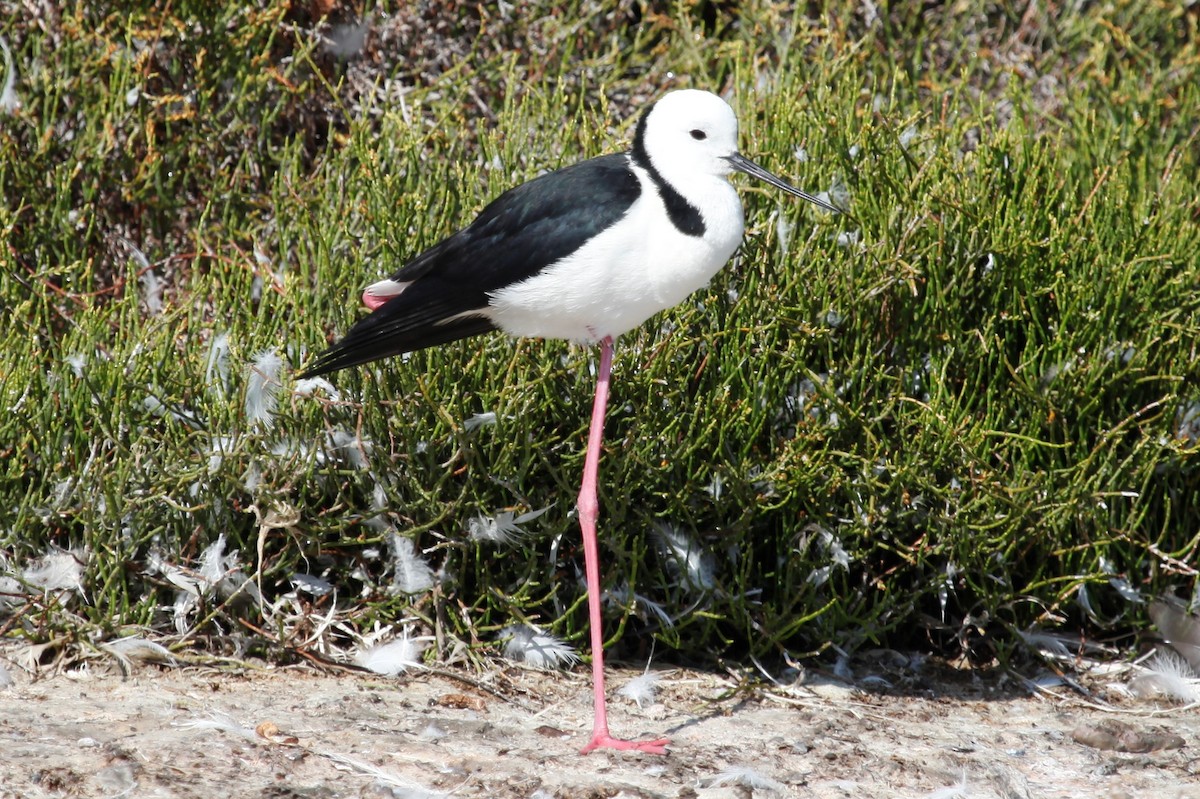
pixel 589 511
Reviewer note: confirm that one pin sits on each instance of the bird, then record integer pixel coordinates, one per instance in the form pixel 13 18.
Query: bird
pixel 584 253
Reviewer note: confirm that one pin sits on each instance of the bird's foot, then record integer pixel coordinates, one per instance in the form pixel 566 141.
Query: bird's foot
pixel 606 741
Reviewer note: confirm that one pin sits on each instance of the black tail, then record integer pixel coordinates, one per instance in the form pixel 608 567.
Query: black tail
pixel 397 328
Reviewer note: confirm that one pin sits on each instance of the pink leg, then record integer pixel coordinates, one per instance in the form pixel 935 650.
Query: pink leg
pixel 589 511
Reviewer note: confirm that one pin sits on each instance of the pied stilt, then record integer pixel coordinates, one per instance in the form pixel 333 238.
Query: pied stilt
pixel 584 253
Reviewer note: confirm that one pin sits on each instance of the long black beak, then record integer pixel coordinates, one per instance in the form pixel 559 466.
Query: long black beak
pixel 744 164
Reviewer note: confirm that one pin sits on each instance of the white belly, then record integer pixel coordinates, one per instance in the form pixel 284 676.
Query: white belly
pixel 625 275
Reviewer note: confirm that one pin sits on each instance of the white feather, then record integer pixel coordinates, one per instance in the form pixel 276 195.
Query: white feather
pixel 218 446
pixel 307 387
pixel 686 557
pixel 1167 676
pixel 529 644
pixel 131 648
pixel 222 722
pixel 221 572
pixel 396 657
pixel 1084 598
pixel 622 596
pixel 152 285
pixel 9 101
pixel 503 528
pixel 432 732
pixel 1047 643
pixel 1127 591
pixel 56 571
pixel 77 361
pixel 311 584
pixel 479 420
pixel 400 787
pixel 716 486
pixel 348 448
pixel 956 791
pixel 746 777
pixel 410 573
pixel 262 387
pixel 641 689
pixel 216 370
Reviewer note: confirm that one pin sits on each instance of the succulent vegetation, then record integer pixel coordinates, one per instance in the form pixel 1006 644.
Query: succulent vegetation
pixel 967 413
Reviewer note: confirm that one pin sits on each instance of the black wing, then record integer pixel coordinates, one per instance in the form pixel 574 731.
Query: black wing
pixel 517 235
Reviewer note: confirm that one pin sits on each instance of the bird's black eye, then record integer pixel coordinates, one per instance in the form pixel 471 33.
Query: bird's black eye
pixel 699 135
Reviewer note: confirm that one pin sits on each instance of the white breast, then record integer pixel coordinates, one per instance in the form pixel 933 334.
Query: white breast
pixel 628 273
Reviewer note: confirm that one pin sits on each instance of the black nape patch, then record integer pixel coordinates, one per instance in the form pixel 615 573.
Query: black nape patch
pixel 685 216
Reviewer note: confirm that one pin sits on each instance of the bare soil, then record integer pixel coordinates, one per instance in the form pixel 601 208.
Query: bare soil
pixel 294 732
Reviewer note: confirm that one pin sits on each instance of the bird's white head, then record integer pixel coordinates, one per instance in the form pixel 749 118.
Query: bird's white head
pixel 691 133
pixel 688 133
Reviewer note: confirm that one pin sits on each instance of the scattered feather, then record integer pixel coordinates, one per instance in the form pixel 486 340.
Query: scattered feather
pixel 347 40
pixel 127 650
pixel 182 579
pixel 841 667
pixel 395 657
pixel 379 504
pixel 218 447
pixel 502 528
pixel 479 420
pixel 216 369
pixel 1187 421
pixel 1048 643
pixel 252 477
pixel 1167 676
pixel 956 791
pixel 832 546
pixel 9 101
pixel 57 571
pixel 641 689
pixel 1179 627
pixel 291 449
pixel 946 587
pixel 348 448
pixel 11 591
pixel 716 486
pixel 1084 598
pixel 222 722
pixel 154 405
pixel 783 231
pixel 623 597
pixel 399 787
pixel 307 387
pixel 686 558
pixel 310 584
pixel 747 778
pixel 528 644
pixel 820 575
pixel 152 285
pixel 432 732
pixel 182 609
pixel 1127 591
pixel 222 573
pixel 410 573
pixel 262 388
pixel 77 362
pixel 838 194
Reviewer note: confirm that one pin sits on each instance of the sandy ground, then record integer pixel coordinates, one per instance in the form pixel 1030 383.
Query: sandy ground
pixel 281 733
